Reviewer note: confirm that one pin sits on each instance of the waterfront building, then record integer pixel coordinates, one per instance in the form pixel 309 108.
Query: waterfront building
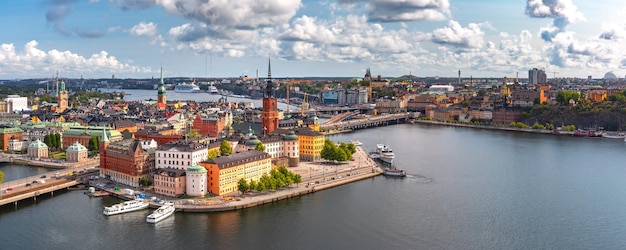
pixel 292 149
pixel 196 181
pixel 310 143
pixel 7 133
pixel 395 105
pixel 124 161
pixel 76 153
pixel 83 134
pixel 525 97
pixel 224 172
pixel 170 182
pixel 180 155
pixel 38 149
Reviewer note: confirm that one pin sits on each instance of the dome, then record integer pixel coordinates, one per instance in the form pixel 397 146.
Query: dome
pixel 196 170
pixel 76 147
pixel 609 76
pixel 253 141
pixel 37 144
pixel 291 136
pixel 314 118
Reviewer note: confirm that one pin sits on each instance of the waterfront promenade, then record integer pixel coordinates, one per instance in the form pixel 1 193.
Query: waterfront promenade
pixel 316 176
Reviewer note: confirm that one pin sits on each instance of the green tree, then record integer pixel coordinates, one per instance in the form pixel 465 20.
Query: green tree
pixel 252 185
pixel 193 133
pixel 1 177
pixel 47 140
pixel 565 96
pixel 212 153
pixel 93 145
pixel 242 185
pixel 260 147
pixel 225 148
pixel 145 181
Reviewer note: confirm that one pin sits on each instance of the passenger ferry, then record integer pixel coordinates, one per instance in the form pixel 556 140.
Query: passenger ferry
pixel 385 153
pixel 213 90
pixel 187 88
pixel 127 206
pixel 161 213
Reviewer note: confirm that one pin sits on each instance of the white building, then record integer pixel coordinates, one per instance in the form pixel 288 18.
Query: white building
pixel 441 88
pixel 196 181
pixel 16 103
pixel 180 155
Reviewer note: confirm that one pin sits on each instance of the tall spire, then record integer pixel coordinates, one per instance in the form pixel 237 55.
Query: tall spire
pixel 269 89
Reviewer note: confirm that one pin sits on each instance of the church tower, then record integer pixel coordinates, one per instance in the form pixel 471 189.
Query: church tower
pixel 270 107
pixel 102 148
pixel 62 98
pixel 161 93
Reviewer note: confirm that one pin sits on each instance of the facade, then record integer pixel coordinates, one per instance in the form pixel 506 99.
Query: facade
pixel 76 153
pixel 209 125
pixel 15 144
pixel 310 143
pixel 537 76
pixel 196 181
pixel 8 133
pixel 180 155
pixel 38 149
pixel 62 103
pixel 224 172
pixel 124 161
pixel 170 182
pixel 269 116
pixel 15 103
pixel 396 105
pixel 292 149
pixel 83 134
pixel 523 97
pixel 161 136
pixel 161 97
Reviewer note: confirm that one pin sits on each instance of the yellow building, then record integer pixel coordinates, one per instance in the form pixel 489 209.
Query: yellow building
pixel 224 172
pixel 311 143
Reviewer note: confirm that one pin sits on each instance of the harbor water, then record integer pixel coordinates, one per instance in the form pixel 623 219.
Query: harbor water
pixel 465 189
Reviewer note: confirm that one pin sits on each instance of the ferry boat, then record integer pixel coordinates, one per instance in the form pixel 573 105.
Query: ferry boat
pixel 213 90
pixel 127 206
pixel 385 152
pixel 187 88
pixel 613 135
pixel 161 213
pixel 394 172
pixel 356 143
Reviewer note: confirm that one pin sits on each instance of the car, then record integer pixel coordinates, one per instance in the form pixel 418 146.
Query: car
pixel 9 189
pixel 34 182
pixel 43 176
pixel 28 184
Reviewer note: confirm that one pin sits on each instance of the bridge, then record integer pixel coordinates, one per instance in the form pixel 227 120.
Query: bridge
pixel 35 190
pixel 366 122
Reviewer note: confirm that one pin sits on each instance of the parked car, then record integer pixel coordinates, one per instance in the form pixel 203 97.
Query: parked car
pixel 43 176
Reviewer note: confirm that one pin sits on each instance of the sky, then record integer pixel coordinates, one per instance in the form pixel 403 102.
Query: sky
pixel 306 38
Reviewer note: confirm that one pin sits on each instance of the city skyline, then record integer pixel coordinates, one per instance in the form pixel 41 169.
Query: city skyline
pixel 426 38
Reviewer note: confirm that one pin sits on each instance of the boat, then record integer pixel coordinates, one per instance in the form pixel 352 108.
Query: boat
pixel 126 206
pixel 356 143
pixel 213 90
pixel 394 172
pixel 161 213
pixel 385 152
pixel 187 88
pixel 613 135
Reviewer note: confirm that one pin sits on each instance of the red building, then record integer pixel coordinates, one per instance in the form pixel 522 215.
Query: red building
pixel 161 137
pixel 270 107
pixel 124 161
pixel 210 125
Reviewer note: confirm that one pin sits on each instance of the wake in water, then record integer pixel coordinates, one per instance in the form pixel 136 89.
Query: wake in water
pixel 419 178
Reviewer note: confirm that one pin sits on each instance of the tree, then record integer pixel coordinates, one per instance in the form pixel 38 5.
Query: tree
pixel 212 153
pixel 47 140
pixel 93 145
pixel 145 181
pixel 225 148
pixel 252 185
pixel 260 147
pixel 565 96
pixel 242 185
pixel 1 177
pixel 193 133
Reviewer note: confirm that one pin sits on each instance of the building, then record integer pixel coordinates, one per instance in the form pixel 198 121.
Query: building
pixel 224 172
pixel 76 153
pixel 170 182
pixel 62 98
pixel 38 149
pixel 524 97
pixel 310 143
pixel 180 155
pixel 537 76
pixel 292 149
pixel 161 95
pixel 8 133
pixel 269 116
pixel 196 181
pixel 124 161
pixel 209 125
pixel 15 103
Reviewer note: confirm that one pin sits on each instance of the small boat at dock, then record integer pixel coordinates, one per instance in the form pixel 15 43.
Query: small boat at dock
pixel 161 213
pixel 126 206
pixel 394 172
pixel 356 142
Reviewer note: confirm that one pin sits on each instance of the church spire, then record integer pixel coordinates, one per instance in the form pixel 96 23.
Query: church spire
pixel 269 89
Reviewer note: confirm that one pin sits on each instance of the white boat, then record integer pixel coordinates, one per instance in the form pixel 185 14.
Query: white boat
pixel 356 143
pixel 126 206
pixel 161 213
pixel 213 90
pixel 614 135
pixel 187 88
pixel 394 172
pixel 385 152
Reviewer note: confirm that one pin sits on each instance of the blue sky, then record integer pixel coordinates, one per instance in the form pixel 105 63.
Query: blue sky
pixel 228 38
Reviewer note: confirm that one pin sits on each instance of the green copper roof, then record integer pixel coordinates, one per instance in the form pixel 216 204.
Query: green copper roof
pixel 196 169
pixel 37 144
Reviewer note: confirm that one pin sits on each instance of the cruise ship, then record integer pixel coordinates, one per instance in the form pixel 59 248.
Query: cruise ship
pixel 161 213
pixel 213 90
pixel 127 206
pixel 385 153
pixel 187 88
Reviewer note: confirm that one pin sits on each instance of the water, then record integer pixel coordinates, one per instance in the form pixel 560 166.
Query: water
pixel 466 189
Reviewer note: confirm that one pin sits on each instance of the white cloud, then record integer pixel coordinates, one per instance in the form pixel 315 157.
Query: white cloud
pixel 456 35
pixel 144 29
pixel 554 9
pixel 32 61
pixel 404 10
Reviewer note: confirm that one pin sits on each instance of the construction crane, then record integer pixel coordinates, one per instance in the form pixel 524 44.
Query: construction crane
pixel 554 74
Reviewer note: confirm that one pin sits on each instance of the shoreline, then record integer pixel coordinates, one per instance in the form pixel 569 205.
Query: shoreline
pixel 352 171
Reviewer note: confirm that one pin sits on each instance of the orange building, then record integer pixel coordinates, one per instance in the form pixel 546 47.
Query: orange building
pixel 123 125
pixel 161 137
pixel 224 172
pixel 210 125
pixel 170 182
pixel 6 133
pixel 124 161
pixel 269 117
pixel 596 95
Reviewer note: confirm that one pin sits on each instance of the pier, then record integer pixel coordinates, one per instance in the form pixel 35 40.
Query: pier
pixel 336 124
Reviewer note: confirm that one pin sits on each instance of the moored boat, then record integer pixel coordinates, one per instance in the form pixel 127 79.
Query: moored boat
pixel 126 206
pixel 161 213
pixel 213 90
pixel 187 88
pixel 385 152
pixel 394 172
pixel 356 143
pixel 613 135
